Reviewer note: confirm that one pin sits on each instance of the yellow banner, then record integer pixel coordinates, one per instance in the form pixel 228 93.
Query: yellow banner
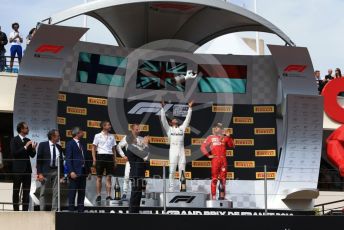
pixel 76 110
pixel 142 128
pixel 62 97
pixel 158 162
pixel 244 164
pixel 229 153
pixel 197 141
pixel 265 153
pixel 89 147
pixel 201 164
pixel 93 124
pixel 97 101
pixel 222 108
pixel 187 130
pixel 61 120
pixel 269 175
pixel 158 140
pixel 187 152
pixel 264 131
pixel 230 175
pixel 63 144
pixel 264 109
pixel 244 142
pixel 243 120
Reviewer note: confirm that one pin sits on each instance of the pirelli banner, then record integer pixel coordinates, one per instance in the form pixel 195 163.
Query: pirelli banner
pixel 253 128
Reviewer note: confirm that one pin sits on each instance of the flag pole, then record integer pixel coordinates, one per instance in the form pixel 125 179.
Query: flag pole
pixel 84 38
pixel 257 33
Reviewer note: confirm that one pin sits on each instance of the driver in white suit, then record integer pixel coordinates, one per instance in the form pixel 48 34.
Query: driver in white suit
pixel 175 133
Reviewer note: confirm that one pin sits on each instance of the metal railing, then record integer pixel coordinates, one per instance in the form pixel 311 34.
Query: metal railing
pixel 265 191
pixel 323 210
pixel 6 64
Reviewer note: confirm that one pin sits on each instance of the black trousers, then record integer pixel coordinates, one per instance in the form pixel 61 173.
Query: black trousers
pixel 25 182
pixel 136 194
pixel 77 186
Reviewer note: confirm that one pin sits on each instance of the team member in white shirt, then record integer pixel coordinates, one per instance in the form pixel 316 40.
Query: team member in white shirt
pixel 104 157
pixel 16 39
pixel 124 145
pixel 175 133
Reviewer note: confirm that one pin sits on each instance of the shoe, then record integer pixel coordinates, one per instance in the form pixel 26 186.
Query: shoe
pixel 124 197
pixel 108 198
pixel 99 199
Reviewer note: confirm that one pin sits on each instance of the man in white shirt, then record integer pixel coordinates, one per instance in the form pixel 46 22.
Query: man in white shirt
pixel 135 131
pixel 104 158
pixel 16 39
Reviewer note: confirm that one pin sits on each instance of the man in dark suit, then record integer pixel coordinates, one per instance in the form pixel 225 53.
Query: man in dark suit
pixel 22 148
pixel 79 164
pixel 137 153
pixel 47 168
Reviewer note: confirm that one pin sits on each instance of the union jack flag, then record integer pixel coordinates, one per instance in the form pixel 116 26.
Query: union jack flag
pixel 160 75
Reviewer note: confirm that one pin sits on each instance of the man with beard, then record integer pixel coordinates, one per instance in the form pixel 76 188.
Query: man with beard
pixel 217 144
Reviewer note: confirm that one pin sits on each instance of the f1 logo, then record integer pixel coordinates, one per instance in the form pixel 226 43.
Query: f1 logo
pixel 45 48
pixel 186 199
pixel 295 68
pixel 147 107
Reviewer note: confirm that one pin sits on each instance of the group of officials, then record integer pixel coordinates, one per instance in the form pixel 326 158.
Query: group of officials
pixel 78 163
pixel 133 147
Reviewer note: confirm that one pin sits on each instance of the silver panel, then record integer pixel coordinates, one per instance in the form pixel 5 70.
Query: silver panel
pixel 149 202
pixel 225 204
pixel 301 154
pixel 46 55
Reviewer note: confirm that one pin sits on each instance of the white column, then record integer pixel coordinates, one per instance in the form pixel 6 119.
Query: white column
pixel 257 33
pixel 84 38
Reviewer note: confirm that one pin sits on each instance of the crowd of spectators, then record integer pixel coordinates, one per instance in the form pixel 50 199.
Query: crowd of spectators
pixel 321 82
pixel 15 38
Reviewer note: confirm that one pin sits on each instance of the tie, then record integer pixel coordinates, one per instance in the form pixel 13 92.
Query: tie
pixel 54 156
pixel 82 153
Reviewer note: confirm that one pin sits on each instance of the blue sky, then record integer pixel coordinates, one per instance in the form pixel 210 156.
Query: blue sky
pixel 315 24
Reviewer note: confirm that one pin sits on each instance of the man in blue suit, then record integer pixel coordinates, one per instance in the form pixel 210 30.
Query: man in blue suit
pixel 79 164
pixel 48 155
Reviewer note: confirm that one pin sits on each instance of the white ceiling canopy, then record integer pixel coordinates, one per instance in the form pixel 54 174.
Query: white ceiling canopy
pixel 137 22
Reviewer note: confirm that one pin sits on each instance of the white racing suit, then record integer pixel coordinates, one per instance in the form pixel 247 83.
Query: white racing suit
pixel 176 139
pixel 123 144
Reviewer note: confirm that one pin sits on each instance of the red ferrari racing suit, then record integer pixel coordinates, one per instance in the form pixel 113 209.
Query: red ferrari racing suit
pixel 217 145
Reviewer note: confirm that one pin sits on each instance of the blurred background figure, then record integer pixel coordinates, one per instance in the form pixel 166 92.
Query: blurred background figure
pixel 3 42
pixel 338 73
pixel 329 74
pixel 30 36
pixel 16 39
